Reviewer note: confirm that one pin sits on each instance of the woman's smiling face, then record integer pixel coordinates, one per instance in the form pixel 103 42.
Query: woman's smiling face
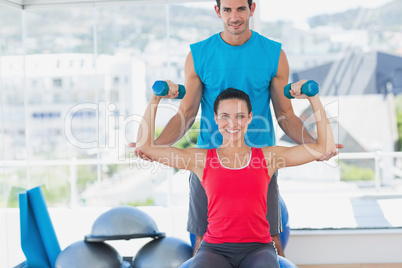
pixel 233 118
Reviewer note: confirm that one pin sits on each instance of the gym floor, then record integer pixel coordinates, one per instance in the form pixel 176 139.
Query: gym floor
pixel 363 265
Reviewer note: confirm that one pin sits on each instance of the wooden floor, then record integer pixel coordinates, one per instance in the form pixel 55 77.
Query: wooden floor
pixel 363 265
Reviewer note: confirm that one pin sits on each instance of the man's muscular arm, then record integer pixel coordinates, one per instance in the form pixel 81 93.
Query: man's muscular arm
pixel 287 120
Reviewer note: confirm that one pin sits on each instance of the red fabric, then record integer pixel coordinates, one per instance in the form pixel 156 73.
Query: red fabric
pixel 237 200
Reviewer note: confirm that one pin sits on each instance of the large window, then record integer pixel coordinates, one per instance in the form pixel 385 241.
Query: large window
pixel 74 84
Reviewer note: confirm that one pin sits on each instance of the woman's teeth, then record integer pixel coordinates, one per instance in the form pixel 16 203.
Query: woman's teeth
pixel 232 131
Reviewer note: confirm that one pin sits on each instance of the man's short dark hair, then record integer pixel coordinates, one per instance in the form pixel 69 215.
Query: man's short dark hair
pixel 232 93
pixel 218 3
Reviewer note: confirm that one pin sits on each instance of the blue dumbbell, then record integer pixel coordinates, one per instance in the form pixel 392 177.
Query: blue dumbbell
pixel 310 88
pixel 161 88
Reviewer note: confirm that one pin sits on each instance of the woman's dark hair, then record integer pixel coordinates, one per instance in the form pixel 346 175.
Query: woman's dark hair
pixel 232 93
pixel 218 3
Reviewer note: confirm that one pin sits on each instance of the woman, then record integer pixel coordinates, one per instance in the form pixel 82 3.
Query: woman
pixel 236 177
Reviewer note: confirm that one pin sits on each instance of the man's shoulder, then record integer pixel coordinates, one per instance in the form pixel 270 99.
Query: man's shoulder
pixel 266 39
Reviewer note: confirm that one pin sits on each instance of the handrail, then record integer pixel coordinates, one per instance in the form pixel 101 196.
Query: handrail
pixel 368 155
pixel 94 161
pixel 73 163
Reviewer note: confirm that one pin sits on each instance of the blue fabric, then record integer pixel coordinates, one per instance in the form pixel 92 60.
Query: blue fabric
pixel 284 235
pixel 38 237
pixel 250 68
pixel 31 241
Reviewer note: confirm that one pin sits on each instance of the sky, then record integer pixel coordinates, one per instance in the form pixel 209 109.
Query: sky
pixel 301 10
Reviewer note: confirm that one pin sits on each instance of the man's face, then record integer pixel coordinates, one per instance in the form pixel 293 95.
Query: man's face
pixel 235 15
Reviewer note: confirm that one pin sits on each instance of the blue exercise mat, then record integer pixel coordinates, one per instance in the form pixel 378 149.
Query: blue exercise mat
pixel 38 237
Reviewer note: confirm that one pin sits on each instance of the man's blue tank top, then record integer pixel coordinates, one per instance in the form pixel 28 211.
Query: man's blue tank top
pixel 250 68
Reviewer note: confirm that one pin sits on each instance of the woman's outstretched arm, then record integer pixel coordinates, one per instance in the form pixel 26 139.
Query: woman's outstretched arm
pixel 190 159
pixel 279 157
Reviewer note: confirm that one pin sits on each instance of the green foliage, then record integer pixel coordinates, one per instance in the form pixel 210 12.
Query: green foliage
pixel 398 106
pixel 399 120
pixel 112 169
pixel 188 140
pixel 12 201
pixel 55 183
pixel 86 175
pixel 141 203
pixel 54 195
pixel 354 173
pixel 57 195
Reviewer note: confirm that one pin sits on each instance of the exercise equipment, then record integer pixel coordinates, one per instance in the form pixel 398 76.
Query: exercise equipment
pixel 166 252
pixel 38 237
pixel 192 240
pixel 161 88
pixel 284 235
pixel 310 88
pixel 123 222
pixel 187 263
pixel 83 254
pixel 283 263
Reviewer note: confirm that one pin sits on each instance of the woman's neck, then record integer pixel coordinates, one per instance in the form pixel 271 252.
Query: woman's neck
pixel 234 157
pixel 236 147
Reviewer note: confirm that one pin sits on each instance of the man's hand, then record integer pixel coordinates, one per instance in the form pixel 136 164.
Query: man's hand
pixel 331 154
pixel 138 153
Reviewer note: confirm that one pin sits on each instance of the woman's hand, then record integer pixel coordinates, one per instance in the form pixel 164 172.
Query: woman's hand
pixel 295 89
pixel 139 153
pixel 173 90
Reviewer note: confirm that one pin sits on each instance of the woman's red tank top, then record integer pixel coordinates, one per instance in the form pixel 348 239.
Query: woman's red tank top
pixel 237 200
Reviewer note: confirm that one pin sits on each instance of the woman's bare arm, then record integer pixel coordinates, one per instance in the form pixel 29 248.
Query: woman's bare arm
pixel 280 157
pixel 190 158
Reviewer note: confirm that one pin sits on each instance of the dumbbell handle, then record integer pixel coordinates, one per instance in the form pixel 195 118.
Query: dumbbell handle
pixel 310 88
pixel 161 88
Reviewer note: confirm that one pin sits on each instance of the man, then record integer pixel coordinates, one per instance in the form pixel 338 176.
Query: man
pixel 240 58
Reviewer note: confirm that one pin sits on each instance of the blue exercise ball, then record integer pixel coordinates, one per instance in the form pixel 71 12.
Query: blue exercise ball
pixel 285 263
pixel 84 254
pixel 123 222
pixel 284 236
pixel 192 240
pixel 166 252
pixel 186 264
